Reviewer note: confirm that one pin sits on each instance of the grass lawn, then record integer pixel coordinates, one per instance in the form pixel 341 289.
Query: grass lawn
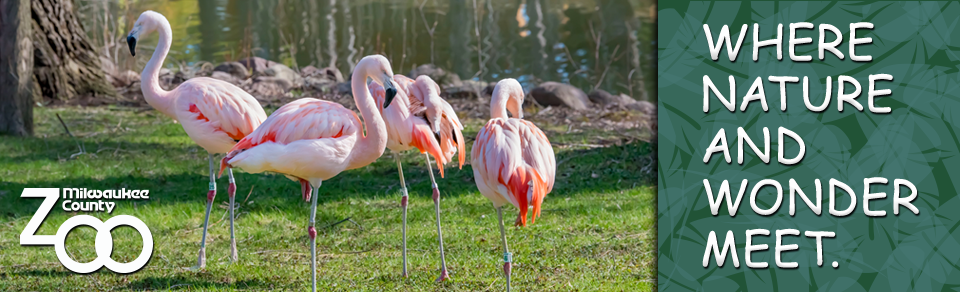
pixel 596 232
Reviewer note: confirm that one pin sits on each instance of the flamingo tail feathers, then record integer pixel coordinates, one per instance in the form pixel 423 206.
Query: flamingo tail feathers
pixel 451 139
pixel 424 140
pixel 528 188
pixel 462 154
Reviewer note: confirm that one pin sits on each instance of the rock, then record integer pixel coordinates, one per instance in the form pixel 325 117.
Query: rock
pixel 203 68
pixel 128 77
pixel 643 106
pixel 309 70
pixel 181 76
pixel 280 82
pixel 319 84
pixel 270 86
pixel 559 94
pixel 467 89
pixel 344 88
pixel 442 77
pixel 256 64
pixel 167 79
pixel 281 71
pixel 488 91
pixel 626 99
pixel 235 69
pixel 329 73
pixel 225 77
pixel 603 98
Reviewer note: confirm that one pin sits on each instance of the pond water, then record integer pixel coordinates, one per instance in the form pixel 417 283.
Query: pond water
pixel 606 44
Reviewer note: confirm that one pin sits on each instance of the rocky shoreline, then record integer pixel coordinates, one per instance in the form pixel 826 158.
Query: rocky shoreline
pixel 275 84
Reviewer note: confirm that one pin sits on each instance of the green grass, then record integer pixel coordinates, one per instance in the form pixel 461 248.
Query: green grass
pixel 596 232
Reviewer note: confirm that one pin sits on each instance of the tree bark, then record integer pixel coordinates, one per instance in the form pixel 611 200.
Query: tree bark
pixel 67 66
pixel 16 68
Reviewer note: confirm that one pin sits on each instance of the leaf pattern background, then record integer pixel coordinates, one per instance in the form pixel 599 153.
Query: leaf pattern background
pixel 916 42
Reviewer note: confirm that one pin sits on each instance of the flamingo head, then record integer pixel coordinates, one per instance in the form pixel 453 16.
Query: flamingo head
pixel 377 67
pixel 224 162
pixel 514 105
pixel 148 22
pixel 507 95
pixel 430 93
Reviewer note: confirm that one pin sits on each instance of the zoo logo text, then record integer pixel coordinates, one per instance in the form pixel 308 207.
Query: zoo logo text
pixel 103 243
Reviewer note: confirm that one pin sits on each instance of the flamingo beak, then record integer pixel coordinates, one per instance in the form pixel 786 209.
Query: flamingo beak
pixel 389 89
pixel 223 165
pixel 391 93
pixel 132 43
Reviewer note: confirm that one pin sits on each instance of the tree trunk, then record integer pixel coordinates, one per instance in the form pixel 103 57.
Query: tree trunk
pixel 67 66
pixel 16 68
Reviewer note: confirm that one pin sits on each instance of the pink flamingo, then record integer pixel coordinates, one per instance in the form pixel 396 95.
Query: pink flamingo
pixel 314 140
pixel 421 119
pixel 215 114
pixel 513 161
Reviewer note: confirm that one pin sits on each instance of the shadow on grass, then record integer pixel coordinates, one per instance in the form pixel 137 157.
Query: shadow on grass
pixel 45 273
pixel 581 171
pixel 52 149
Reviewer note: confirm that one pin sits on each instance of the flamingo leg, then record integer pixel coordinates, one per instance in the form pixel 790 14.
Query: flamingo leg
pixel 436 203
pixel 231 192
pixel 313 237
pixel 211 193
pixel 507 257
pixel 403 205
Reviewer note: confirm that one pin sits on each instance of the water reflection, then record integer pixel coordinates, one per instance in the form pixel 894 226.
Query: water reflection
pixel 606 44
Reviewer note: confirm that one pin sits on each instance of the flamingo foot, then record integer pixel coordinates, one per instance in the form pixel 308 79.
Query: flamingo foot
pixel 201 261
pixel 443 276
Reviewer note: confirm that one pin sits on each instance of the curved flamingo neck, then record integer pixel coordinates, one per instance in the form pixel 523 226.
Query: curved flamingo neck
pixel 507 96
pixel 370 146
pixel 150 77
pixel 498 105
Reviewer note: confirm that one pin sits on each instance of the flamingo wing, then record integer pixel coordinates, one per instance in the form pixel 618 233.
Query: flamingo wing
pixel 451 132
pixel 416 97
pixel 305 118
pixel 404 83
pixel 513 162
pixel 538 153
pixel 216 114
pixel 408 125
pixel 306 138
pixel 426 102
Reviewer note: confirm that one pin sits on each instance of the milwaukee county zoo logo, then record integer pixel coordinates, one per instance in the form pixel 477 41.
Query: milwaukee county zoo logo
pixel 88 200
